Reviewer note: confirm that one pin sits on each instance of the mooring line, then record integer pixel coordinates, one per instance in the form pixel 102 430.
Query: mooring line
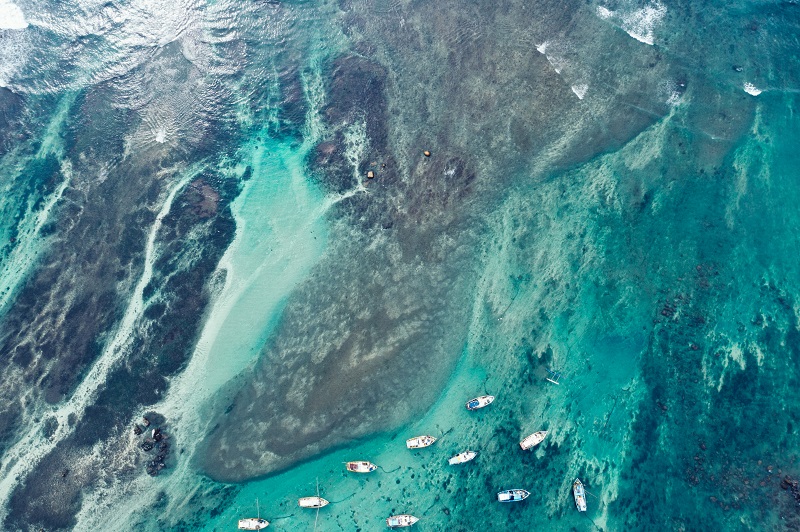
pixel 346 498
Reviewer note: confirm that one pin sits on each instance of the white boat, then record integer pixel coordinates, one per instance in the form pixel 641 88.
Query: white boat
pixel 533 440
pixel 515 495
pixel 580 495
pixel 480 402
pixel 419 442
pixel 401 521
pixel 254 523
pixel 316 503
pixel 460 458
pixel 312 502
pixel 361 467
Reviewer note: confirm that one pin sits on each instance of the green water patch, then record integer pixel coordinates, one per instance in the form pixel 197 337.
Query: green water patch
pixel 722 359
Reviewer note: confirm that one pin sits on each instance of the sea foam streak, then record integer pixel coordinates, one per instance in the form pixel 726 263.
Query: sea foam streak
pixel 638 23
pixel 580 90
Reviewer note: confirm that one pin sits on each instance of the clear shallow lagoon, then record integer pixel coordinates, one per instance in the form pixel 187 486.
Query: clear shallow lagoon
pixel 188 229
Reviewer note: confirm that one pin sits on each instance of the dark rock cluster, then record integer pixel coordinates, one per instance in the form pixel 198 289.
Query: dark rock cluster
pixel 157 440
pixel 788 483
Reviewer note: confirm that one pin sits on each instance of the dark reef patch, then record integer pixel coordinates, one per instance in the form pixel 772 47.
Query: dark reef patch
pixel 356 94
pixel 180 299
pixel 293 107
pixel 12 131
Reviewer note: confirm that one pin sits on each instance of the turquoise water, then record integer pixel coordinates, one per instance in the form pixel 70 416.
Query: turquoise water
pixel 189 234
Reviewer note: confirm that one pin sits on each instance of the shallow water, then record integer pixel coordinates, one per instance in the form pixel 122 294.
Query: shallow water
pixel 189 234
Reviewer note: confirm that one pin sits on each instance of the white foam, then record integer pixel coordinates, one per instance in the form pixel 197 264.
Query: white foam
pixel 356 143
pixel 640 23
pixel 556 53
pixel 558 63
pixel 580 90
pixel 13 55
pixel 751 89
pixel 604 13
pixel 671 91
pixel 11 16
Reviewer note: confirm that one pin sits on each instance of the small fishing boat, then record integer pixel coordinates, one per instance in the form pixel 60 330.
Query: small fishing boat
pixel 254 523
pixel 533 440
pixel 515 495
pixel 419 442
pixel 401 521
pixel 480 402
pixel 361 467
pixel 580 495
pixel 312 502
pixel 460 458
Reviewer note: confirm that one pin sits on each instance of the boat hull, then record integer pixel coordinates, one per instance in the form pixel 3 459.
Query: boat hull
pixel 361 467
pixel 479 402
pixel 420 441
pixel 312 502
pixel 401 521
pixel 514 495
pixel 253 524
pixel 533 440
pixel 579 494
pixel 461 458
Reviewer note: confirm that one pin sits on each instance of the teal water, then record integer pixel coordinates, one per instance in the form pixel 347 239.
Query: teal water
pixel 189 234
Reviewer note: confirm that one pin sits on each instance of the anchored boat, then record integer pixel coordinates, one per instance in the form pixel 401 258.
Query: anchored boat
pixel 361 467
pixel 312 502
pixel 580 495
pixel 460 458
pixel 254 523
pixel 533 440
pixel 401 521
pixel 480 402
pixel 419 442
pixel 515 495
